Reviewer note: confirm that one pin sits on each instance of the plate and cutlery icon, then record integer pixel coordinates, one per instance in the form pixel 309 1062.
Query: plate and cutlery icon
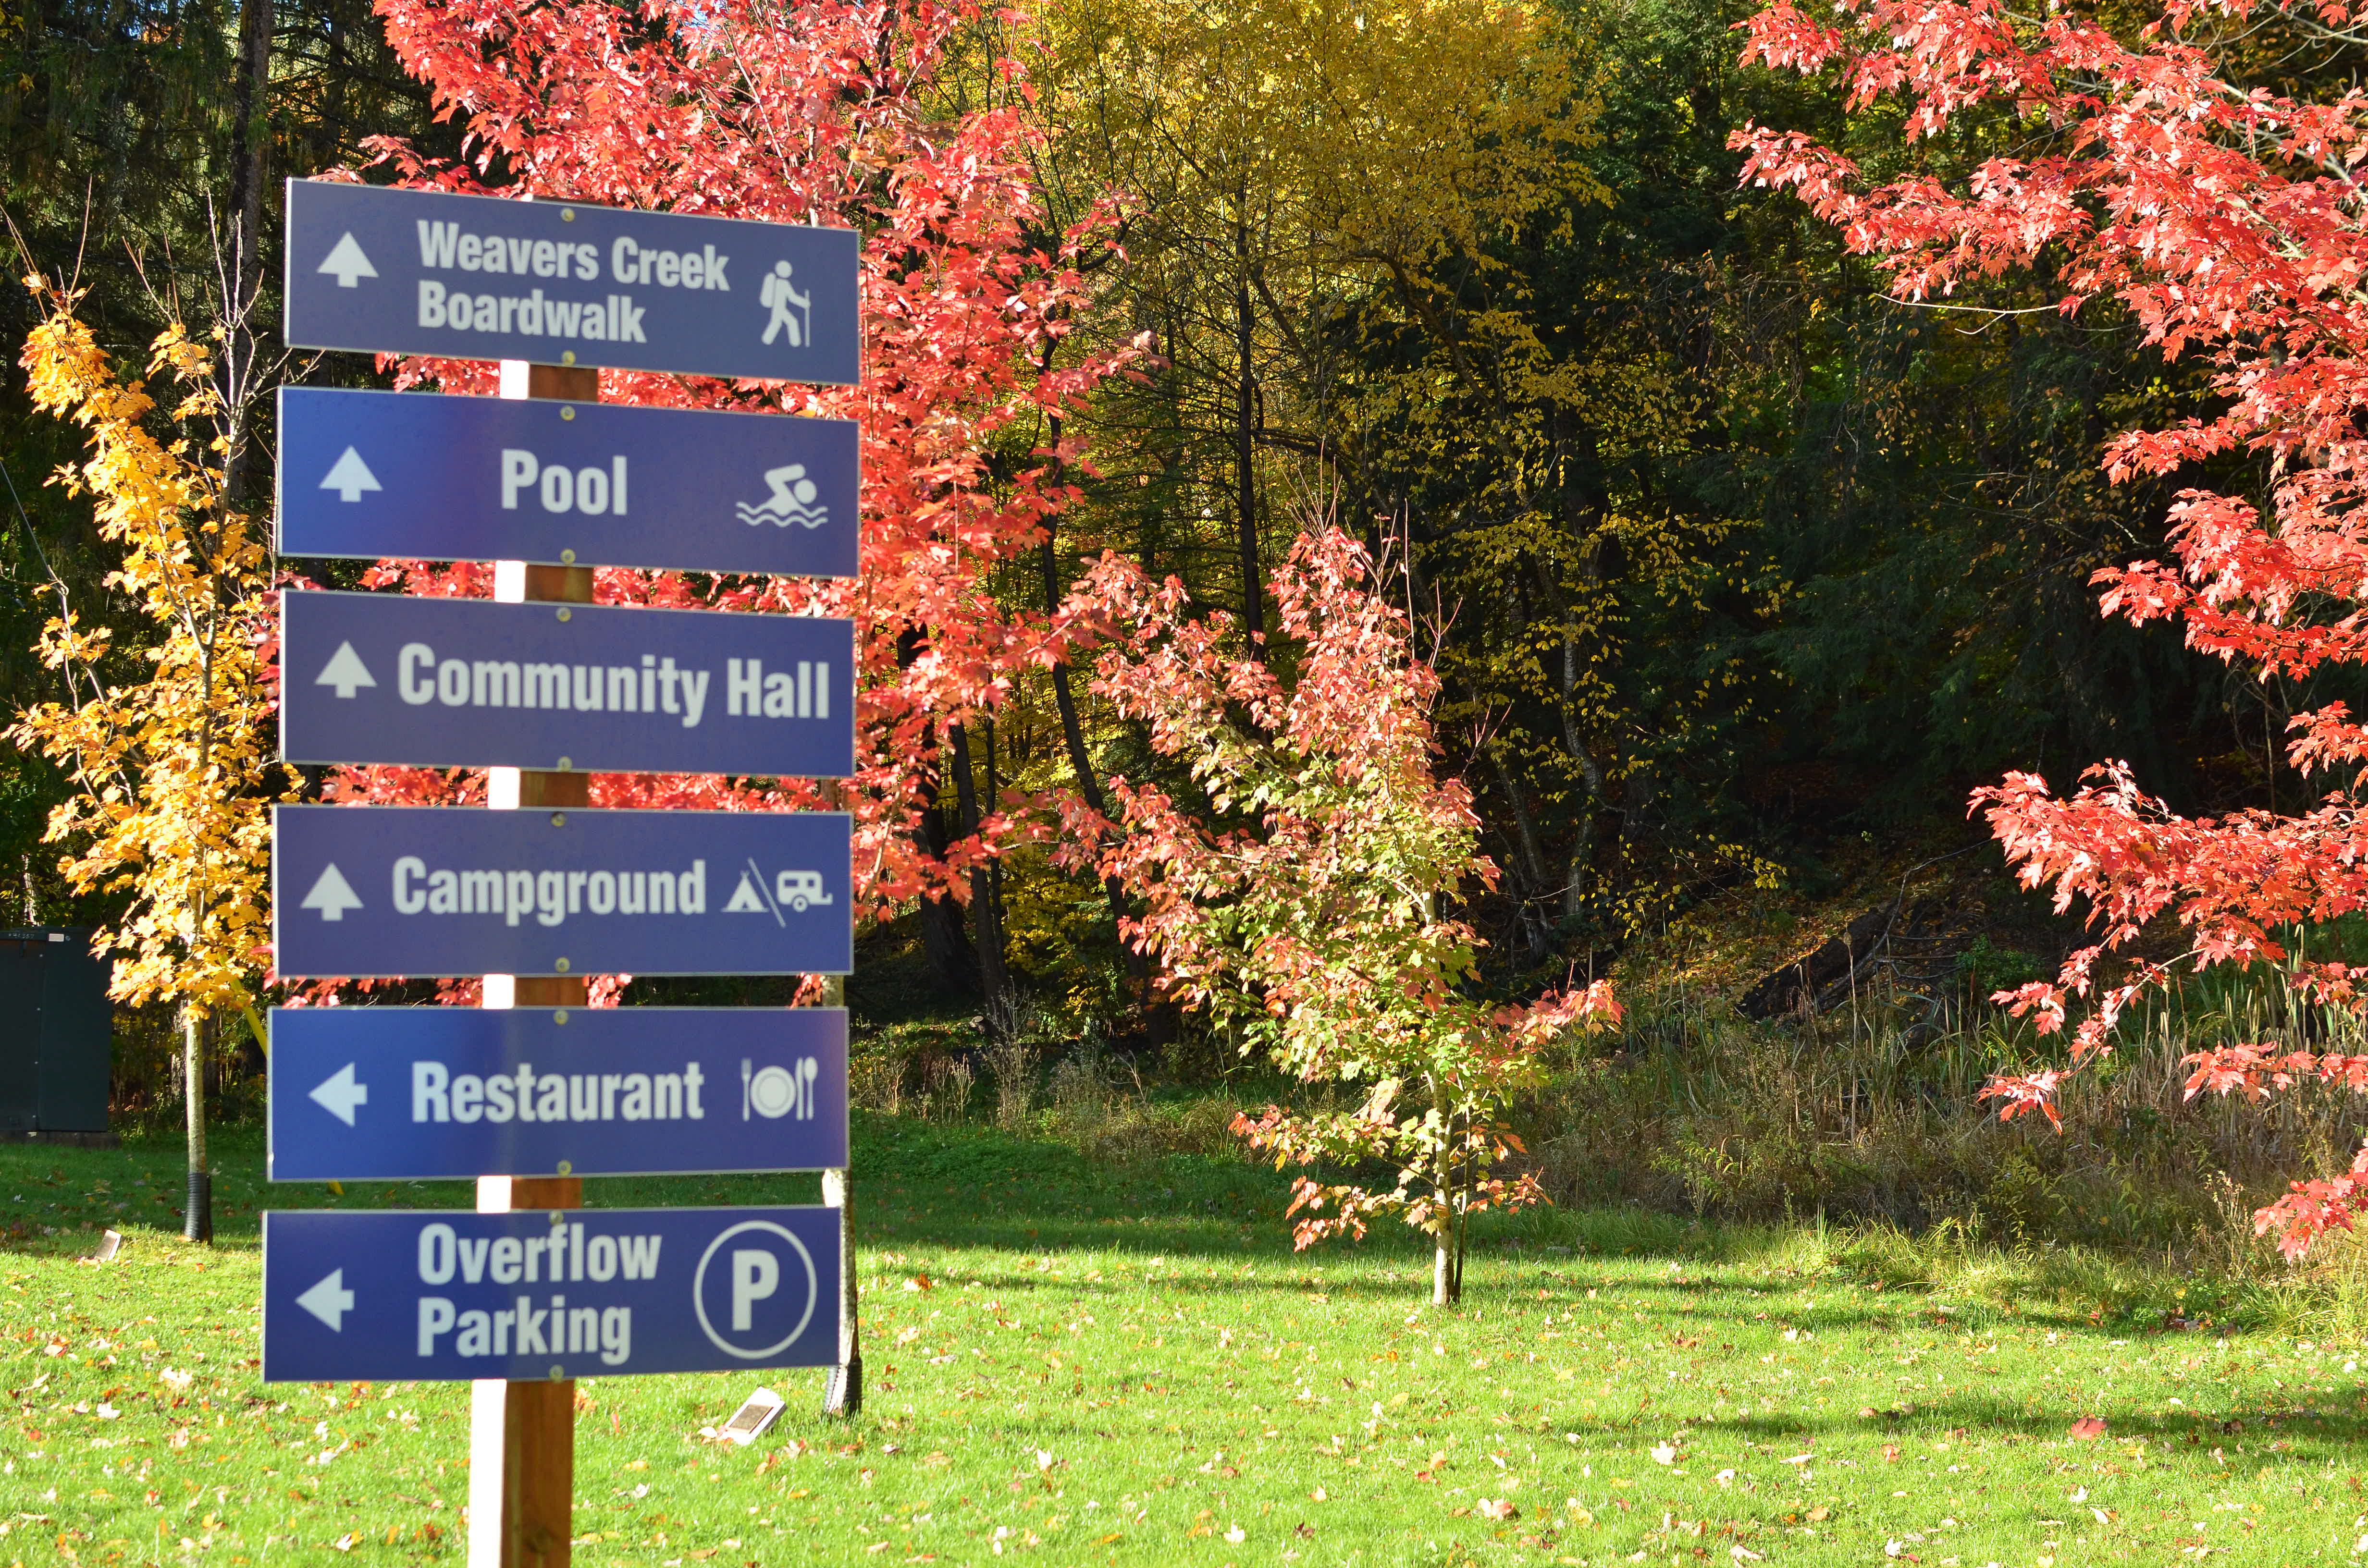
pixel 775 1092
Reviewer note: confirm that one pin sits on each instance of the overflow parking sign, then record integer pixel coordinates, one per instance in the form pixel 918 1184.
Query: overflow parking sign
pixel 601 1293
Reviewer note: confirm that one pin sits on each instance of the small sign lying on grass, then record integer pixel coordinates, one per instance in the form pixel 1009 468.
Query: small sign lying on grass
pixel 760 1410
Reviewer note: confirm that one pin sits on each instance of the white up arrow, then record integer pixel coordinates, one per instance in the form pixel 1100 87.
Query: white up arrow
pixel 329 1301
pixel 340 1094
pixel 345 671
pixel 350 476
pixel 331 894
pixel 346 260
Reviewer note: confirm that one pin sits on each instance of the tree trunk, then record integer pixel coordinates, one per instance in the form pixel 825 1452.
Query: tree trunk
pixel 329 127
pixel 1463 1224
pixel 1446 1278
pixel 1532 860
pixel 197 1213
pixel 986 916
pixel 994 799
pixel 1073 736
pixel 1585 505
pixel 951 966
pixel 250 140
pixel 1246 425
pixel 1582 857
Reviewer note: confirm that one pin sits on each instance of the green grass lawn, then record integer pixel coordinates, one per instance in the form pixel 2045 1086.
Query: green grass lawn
pixel 1076 1363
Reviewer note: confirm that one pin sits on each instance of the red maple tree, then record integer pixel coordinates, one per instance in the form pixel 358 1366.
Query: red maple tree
pixel 2224 218
pixel 1311 899
pixel 814 114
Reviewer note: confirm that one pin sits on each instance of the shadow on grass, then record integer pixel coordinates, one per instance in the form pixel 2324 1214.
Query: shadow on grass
pixel 2288 1430
pixel 923 1184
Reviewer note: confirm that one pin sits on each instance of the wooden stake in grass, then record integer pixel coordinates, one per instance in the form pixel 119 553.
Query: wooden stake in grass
pixel 842 1392
pixel 522 1435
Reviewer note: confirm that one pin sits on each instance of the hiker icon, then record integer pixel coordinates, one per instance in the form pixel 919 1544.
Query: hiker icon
pixel 779 295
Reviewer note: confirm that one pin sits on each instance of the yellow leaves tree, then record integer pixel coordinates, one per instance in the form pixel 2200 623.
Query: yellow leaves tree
pixel 1285 162
pixel 166 744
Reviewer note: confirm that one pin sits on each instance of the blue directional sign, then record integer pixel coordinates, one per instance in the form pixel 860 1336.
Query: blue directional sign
pixel 367 1094
pixel 417 476
pixel 454 891
pixel 470 683
pixel 431 1296
pixel 563 283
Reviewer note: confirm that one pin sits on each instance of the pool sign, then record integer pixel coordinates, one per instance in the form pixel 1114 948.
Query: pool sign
pixel 368 1094
pixel 417 476
pixel 390 890
pixel 561 283
pixel 547 1294
pixel 470 682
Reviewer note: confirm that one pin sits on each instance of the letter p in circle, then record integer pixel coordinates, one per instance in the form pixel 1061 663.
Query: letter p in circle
pixel 742 1271
pixel 754 1276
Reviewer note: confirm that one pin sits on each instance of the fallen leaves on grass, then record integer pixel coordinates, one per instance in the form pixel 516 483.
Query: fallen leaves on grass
pixel 1498 1508
pixel 2089 1428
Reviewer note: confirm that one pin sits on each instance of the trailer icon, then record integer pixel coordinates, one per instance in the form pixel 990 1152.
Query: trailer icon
pixel 799 888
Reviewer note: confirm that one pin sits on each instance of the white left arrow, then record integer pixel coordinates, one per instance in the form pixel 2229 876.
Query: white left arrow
pixel 340 1094
pixel 329 1301
pixel 349 476
pixel 346 260
pixel 345 671
pixel 331 894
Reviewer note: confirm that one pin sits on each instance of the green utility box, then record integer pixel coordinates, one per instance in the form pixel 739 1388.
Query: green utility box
pixel 57 1033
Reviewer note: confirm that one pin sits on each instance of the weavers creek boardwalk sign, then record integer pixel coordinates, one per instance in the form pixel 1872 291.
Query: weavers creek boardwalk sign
pixel 563 283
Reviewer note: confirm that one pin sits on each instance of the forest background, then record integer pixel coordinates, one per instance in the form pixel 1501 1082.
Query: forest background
pixel 1737 574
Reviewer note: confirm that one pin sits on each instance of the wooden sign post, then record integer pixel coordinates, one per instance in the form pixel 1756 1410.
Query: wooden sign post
pixel 522 1435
